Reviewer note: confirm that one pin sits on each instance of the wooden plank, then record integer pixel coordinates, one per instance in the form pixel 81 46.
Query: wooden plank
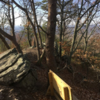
pixel 70 94
pixel 61 88
pixel 66 93
pixel 51 83
pixel 58 86
pixel 59 79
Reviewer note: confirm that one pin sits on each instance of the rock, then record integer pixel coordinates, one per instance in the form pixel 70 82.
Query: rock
pixel 14 68
pixel 8 61
pixel 29 80
pixel 6 53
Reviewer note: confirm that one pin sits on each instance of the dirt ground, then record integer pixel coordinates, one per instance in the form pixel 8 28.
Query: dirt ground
pixel 81 91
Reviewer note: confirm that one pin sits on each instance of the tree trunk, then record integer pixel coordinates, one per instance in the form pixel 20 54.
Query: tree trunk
pixel 4 41
pixel 11 38
pixel 35 35
pixel 61 30
pixel 85 46
pixel 50 59
pixel 36 22
pixel 37 42
pixel 17 46
pixel 28 37
pixel 64 29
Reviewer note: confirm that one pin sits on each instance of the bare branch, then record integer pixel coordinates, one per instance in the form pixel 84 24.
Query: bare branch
pixel 42 29
pixel 5 34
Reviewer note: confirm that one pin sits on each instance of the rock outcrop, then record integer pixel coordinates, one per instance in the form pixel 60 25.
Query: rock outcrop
pixel 14 68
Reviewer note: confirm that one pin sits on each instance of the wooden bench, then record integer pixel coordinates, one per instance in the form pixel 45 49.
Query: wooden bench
pixel 58 88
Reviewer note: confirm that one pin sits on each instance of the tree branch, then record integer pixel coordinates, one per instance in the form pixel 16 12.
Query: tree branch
pixel 19 5
pixel 42 29
pixel 5 34
pixel 90 8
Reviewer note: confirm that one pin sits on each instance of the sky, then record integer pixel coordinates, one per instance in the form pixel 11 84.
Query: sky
pixel 18 21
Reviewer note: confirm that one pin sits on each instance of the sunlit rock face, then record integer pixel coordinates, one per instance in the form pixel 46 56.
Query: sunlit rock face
pixel 14 68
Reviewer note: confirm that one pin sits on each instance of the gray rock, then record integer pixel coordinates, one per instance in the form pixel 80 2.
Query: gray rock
pixel 28 81
pixel 6 53
pixel 14 68
pixel 9 61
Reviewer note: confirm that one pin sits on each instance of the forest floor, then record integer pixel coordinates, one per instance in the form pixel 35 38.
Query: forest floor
pixel 86 91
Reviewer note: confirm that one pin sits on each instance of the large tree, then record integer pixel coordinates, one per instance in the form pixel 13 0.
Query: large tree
pixel 50 59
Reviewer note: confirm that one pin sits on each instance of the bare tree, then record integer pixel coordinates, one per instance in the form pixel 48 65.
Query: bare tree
pixel 32 23
pixel 35 19
pixel 11 19
pixel 82 13
pixel 3 21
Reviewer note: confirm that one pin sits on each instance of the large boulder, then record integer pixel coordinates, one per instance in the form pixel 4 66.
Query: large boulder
pixel 14 68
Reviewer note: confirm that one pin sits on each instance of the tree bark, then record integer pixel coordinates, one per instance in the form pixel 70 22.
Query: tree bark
pixel 61 28
pixel 85 46
pixel 28 36
pixel 50 59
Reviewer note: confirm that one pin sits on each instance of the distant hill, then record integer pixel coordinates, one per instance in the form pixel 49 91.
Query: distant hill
pixel 69 28
pixel 17 29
